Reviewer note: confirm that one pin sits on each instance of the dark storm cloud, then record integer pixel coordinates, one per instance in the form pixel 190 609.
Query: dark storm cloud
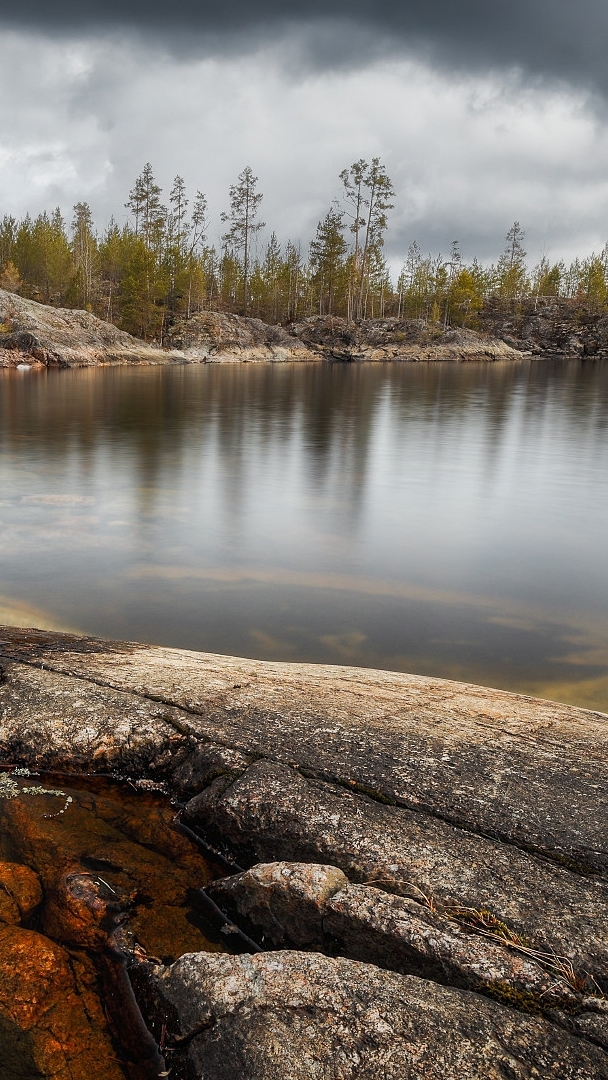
pixel 554 38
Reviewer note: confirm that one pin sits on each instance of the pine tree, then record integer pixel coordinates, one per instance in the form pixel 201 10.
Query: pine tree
pixel 84 288
pixel 368 192
pixel 328 263
pixel 245 203
pixel 146 207
pixel 511 270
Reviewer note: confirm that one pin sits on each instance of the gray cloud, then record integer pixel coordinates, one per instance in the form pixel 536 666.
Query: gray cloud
pixel 558 39
pixel 468 154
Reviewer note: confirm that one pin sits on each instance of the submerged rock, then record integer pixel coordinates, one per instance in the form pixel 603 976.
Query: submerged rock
pixel 304 1016
pixel 50 1019
pixel 20 892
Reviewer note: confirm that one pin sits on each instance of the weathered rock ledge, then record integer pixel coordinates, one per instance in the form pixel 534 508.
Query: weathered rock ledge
pixel 214 337
pixel 37 335
pixel 427 860
pixel 548 326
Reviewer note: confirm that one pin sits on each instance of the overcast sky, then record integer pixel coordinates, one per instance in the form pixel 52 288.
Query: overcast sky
pixel 483 112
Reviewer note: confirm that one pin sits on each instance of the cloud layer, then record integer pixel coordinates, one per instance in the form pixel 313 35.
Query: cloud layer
pixel 468 153
pixel 483 113
pixel 545 38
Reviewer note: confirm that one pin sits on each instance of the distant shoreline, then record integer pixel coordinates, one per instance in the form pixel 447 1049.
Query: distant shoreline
pixel 37 335
pixel 34 335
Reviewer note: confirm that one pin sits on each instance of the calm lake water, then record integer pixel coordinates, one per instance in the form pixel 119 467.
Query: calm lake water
pixel 445 519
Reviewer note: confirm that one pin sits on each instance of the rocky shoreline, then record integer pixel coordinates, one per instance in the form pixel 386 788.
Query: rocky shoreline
pixel 33 335
pixel 423 864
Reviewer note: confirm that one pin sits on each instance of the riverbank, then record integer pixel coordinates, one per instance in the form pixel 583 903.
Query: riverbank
pixel 37 336
pixel 432 855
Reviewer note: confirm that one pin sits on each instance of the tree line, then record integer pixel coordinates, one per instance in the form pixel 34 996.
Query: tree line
pixel 159 265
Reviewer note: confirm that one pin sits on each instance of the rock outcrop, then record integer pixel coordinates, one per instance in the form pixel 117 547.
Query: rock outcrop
pixel 399 339
pixel 548 326
pixel 213 337
pixel 430 838
pixel 38 335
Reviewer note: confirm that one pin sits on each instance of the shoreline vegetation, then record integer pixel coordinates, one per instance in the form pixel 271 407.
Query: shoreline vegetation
pixel 156 283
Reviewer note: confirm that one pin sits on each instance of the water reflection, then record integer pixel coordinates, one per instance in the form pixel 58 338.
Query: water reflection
pixel 440 518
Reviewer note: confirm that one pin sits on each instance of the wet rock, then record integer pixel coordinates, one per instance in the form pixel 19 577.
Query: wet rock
pixel 273 813
pixel 45 998
pixel 81 910
pixel 20 892
pixel 103 856
pixel 303 1015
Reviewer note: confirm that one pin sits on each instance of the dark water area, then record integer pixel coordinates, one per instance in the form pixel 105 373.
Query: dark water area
pixel 446 519
pixel 89 871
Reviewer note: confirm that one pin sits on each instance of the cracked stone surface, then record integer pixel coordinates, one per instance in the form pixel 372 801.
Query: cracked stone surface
pixel 528 771
pixel 413 789
pixel 315 907
pixel 273 813
pixel 305 1016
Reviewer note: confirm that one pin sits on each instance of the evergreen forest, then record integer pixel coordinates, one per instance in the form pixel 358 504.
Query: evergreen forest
pixel 158 266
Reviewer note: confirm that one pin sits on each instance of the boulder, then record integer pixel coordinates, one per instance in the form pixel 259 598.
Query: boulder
pixel 286 901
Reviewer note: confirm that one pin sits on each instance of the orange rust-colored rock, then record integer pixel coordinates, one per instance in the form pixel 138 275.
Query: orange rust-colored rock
pixel 20 892
pixel 79 910
pixel 39 997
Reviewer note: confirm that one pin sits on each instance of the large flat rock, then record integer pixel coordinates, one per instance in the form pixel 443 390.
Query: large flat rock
pixel 531 773
pixel 308 1017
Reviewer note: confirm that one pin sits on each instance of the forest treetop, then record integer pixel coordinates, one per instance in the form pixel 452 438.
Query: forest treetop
pixel 160 265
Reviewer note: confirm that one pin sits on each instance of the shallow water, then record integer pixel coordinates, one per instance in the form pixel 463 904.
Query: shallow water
pixel 81 861
pixel 446 519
